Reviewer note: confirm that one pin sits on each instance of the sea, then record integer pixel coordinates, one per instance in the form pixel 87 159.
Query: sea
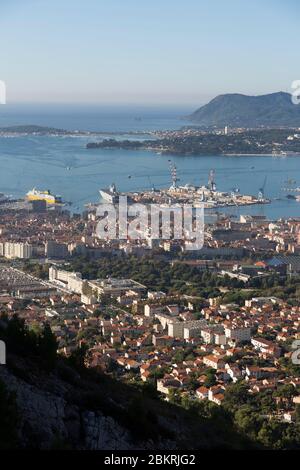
pixel 64 165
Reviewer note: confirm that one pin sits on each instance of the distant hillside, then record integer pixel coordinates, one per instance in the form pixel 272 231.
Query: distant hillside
pixel 236 110
pixel 32 129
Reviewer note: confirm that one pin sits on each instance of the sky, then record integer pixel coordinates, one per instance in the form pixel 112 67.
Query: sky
pixel 146 52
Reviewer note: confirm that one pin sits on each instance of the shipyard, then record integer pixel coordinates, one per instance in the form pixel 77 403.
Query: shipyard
pixel 206 196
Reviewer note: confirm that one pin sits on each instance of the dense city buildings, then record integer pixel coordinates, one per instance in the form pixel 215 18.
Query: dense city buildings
pixel 188 324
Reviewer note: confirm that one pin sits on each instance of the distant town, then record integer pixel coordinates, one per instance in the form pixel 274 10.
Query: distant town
pixel 227 141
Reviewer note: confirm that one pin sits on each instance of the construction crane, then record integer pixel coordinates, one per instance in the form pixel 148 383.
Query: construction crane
pixel 211 180
pixel 234 192
pixel 261 191
pixel 174 177
pixel 151 184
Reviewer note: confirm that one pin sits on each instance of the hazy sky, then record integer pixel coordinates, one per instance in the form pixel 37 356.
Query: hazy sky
pixel 147 51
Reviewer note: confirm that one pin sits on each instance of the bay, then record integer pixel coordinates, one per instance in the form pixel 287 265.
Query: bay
pixel 64 165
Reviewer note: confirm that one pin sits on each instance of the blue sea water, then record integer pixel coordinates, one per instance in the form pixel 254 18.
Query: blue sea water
pixel 104 118
pixel 66 167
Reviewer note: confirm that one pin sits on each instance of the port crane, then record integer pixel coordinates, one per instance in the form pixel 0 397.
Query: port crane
pixel 261 191
pixel 211 180
pixel 234 192
pixel 174 177
pixel 151 183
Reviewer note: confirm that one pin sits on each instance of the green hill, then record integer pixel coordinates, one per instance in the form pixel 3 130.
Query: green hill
pixel 237 110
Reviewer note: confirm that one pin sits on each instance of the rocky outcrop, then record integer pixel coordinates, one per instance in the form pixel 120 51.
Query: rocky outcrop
pixel 49 419
pixel 62 409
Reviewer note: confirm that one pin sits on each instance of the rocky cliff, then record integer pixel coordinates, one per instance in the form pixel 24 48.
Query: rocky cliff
pixel 49 417
pixel 63 409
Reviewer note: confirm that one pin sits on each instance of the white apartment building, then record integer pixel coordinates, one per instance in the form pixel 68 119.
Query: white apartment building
pixel 175 329
pixel 213 335
pixel 69 280
pixel 238 333
pixel 152 309
pixel 185 329
pixel 191 331
pixel 16 250
pixel 88 299
pixel 165 319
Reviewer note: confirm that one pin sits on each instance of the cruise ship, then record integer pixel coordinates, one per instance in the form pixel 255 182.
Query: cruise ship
pixel 110 194
pixel 37 195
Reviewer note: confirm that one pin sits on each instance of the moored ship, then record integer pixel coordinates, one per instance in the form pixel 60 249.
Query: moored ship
pixel 37 195
pixel 110 194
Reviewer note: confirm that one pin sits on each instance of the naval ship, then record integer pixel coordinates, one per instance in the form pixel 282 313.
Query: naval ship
pixel 110 194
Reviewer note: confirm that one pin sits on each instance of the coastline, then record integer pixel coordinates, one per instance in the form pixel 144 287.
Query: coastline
pixel 259 155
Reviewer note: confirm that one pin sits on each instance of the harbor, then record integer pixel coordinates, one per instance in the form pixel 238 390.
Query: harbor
pixel 207 196
pixel 43 163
